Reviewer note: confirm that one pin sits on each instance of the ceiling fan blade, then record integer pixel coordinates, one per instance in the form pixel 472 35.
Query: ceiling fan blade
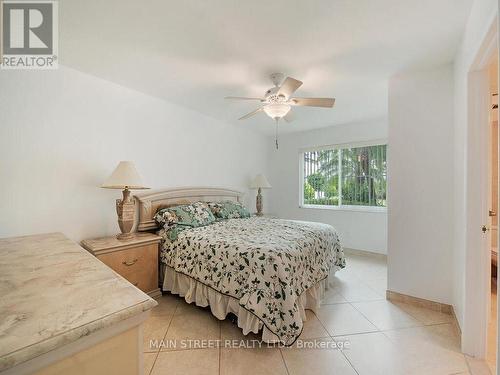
pixel 289 117
pixel 289 86
pixel 242 98
pixel 313 102
pixel 251 114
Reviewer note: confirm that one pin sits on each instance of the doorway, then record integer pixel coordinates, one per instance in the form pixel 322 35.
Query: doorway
pixel 481 182
pixel 491 353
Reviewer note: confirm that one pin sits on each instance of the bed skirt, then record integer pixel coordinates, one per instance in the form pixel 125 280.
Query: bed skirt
pixel 221 305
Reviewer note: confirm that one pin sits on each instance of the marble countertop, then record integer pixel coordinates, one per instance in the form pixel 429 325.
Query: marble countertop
pixel 53 292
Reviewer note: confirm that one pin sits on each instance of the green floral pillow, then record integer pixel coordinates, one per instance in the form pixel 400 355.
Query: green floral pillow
pixel 178 218
pixel 228 210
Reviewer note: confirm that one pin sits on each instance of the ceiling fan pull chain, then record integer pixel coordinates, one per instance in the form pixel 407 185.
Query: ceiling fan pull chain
pixel 276 136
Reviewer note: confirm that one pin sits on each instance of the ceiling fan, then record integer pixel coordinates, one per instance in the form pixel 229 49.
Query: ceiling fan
pixel 278 101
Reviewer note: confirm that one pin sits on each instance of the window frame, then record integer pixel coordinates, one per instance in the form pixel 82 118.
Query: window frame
pixel 343 207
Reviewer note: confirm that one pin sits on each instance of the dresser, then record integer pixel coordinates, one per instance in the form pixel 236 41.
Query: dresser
pixel 64 312
pixel 136 259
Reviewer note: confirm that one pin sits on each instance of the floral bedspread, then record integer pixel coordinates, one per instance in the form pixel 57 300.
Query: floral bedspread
pixel 265 263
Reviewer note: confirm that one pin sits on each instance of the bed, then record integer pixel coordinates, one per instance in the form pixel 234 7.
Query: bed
pixel 265 271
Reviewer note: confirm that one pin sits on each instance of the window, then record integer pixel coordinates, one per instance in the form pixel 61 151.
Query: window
pixel 338 177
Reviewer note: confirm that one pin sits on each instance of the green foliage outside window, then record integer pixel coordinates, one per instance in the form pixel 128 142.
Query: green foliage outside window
pixel 350 176
pixel 308 191
pixel 316 181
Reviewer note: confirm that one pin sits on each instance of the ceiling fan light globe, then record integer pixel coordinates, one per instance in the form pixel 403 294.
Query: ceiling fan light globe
pixel 277 110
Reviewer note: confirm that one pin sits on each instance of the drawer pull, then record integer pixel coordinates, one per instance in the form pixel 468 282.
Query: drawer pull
pixel 128 264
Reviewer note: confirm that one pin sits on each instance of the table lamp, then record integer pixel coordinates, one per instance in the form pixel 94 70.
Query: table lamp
pixel 126 177
pixel 259 182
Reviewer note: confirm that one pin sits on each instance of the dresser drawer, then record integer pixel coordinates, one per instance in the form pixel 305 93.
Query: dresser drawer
pixel 139 265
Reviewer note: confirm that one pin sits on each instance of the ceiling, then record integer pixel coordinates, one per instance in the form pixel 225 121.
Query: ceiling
pixel 196 52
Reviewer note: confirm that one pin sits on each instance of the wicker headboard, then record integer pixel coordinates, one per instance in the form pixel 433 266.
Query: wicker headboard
pixel 149 203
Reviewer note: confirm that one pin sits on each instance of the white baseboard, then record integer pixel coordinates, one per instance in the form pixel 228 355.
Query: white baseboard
pixel 364 253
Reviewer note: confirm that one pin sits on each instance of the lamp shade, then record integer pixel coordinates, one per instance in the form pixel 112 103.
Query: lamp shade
pixel 276 110
pixel 125 176
pixel 260 181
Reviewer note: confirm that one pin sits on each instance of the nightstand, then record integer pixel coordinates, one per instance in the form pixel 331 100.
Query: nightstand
pixel 136 259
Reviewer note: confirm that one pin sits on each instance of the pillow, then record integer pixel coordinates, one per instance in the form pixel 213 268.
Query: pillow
pixel 228 210
pixel 178 218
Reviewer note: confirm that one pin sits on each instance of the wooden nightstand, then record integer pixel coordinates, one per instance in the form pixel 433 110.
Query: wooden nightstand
pixel 136 259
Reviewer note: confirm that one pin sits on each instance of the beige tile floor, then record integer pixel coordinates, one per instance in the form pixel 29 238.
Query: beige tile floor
pixel 382 337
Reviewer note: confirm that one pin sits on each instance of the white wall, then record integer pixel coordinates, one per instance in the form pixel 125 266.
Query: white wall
pixel 358 230
pixel 480 19
pixel 63 132
pixel 420 196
